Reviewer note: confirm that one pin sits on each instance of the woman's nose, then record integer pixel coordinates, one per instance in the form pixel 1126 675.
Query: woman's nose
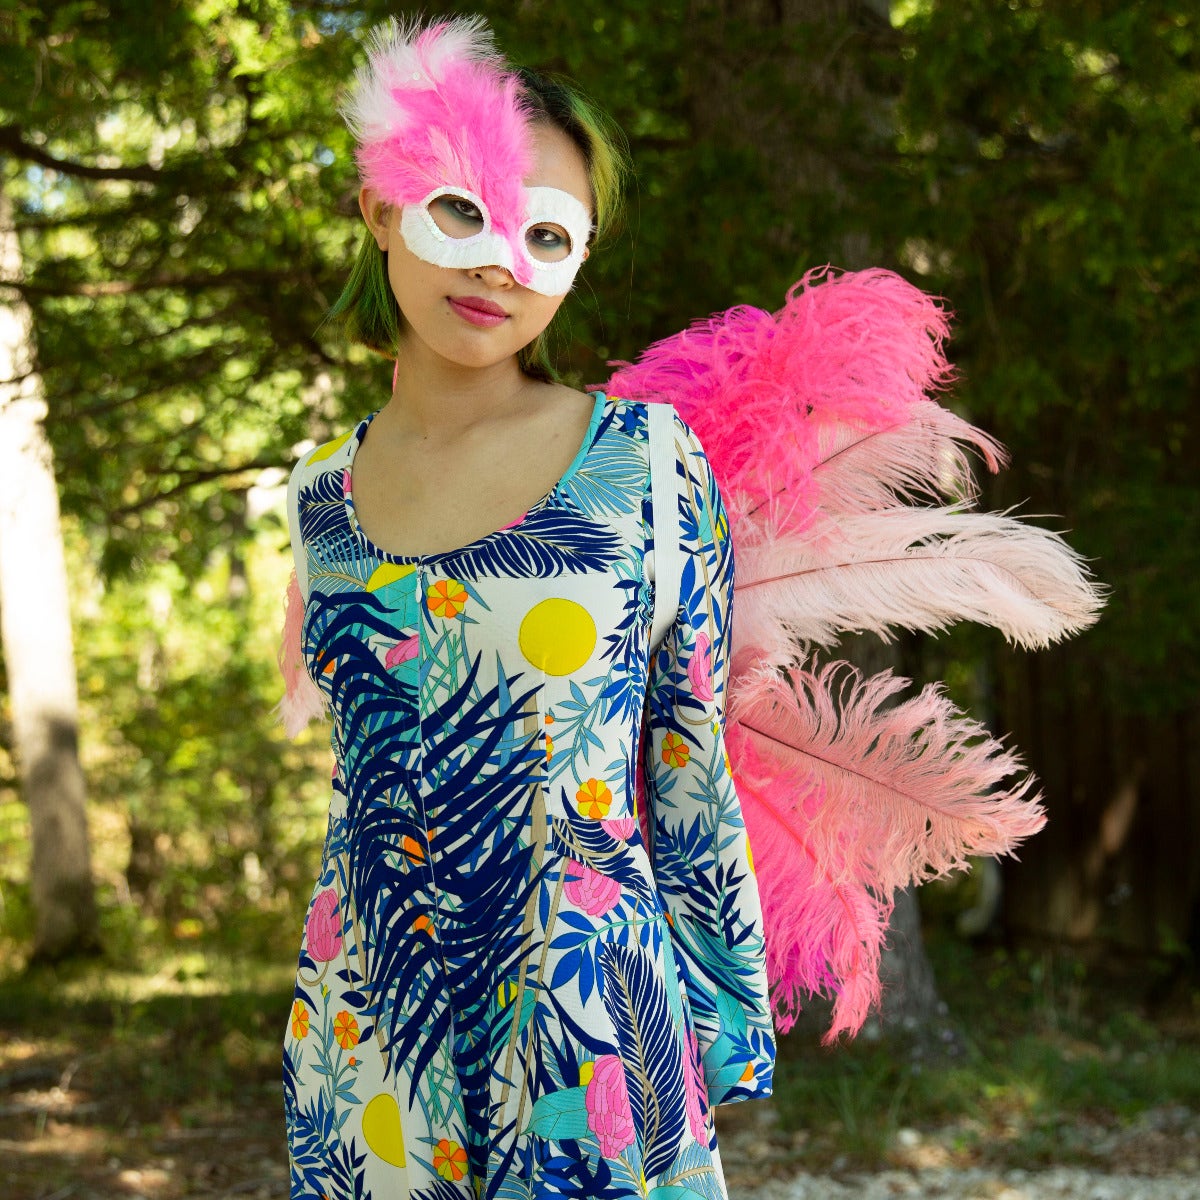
pixel 493 276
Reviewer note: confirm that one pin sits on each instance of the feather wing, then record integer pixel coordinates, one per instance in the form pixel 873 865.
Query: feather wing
pixel 847 796
pixel 302 700
pixel 849 490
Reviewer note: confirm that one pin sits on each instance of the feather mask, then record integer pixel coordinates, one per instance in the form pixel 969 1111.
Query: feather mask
pixel 436 107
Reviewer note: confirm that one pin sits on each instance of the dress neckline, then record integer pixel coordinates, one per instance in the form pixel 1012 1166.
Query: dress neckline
pixel 356 440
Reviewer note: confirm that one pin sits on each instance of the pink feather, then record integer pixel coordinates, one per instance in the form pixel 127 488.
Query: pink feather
pixel 858 350
pixel 436 106
pixel 847 797
pixel 824 937
pixel 302 700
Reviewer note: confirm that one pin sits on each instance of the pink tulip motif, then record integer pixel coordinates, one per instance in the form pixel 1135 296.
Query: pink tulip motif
pixel 700 668
pixel 589 890
pixel 694 1091
pixel 403 651
pixel 323 929
pixel 620 828
pixel 610 1116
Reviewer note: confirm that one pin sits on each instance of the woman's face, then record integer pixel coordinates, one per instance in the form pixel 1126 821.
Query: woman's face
pixel 476 316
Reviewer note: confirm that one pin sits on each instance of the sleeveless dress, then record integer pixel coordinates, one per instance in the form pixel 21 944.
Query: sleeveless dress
pixel 512 982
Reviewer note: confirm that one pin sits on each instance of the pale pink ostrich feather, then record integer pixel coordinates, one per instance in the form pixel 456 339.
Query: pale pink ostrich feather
pixel 850 796
pixel 436 106
pixel 302 699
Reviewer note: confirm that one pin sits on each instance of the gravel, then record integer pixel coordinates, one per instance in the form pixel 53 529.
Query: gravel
pixel 1155 1156
pixel 1057 1183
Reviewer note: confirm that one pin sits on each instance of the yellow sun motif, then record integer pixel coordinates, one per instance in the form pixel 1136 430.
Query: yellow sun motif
pixel 558 636
pixel 382 1131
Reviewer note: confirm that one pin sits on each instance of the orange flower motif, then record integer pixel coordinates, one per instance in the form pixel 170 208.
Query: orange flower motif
pixel 549 749
pixel 449 1160
pixel 675 751
pixel 446 598
pixel 421 924
pixel 594 799
pixel 345 1030
pixel 299 1019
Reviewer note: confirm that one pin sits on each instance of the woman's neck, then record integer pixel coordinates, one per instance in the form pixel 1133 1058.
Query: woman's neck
pixel 437 400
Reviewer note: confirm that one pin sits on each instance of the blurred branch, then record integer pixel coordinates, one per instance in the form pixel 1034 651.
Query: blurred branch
pixel 190 479
pixel 186 283
pixel 13 140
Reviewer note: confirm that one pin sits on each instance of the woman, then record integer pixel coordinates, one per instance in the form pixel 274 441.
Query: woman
pixel 505 989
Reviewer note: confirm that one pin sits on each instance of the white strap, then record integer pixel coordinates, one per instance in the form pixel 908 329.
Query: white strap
pixel 299 554
pixel 664 501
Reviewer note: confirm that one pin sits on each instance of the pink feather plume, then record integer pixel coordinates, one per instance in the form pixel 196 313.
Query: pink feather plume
pixel 908 567
pixel 302 699
pixel 770 394
pixel 436 106
pixel 825 933
pixel 848 796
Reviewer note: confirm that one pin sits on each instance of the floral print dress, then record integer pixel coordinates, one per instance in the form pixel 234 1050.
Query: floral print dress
pixel 512 982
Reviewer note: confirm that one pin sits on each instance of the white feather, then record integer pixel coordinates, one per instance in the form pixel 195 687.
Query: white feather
pixel 910 568
pixel 394 62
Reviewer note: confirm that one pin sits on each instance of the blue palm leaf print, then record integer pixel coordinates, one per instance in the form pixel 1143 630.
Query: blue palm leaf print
pixel 637 1003
pixel 610 481
pixel 322 506
pixel 441 1190
pixel 549 541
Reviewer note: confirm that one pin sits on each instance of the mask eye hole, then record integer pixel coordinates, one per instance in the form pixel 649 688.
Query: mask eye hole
pixel 548 242
pixel 456 216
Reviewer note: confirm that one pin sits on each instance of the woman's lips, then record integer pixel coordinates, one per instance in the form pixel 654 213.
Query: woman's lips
pixel 478 311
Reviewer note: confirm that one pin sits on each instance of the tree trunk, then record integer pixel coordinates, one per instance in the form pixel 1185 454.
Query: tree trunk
pixel 35 625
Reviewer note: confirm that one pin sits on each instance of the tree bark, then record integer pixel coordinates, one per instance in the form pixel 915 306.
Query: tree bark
pixel 35 627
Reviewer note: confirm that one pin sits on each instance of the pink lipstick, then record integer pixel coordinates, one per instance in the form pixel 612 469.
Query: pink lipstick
pixel 478 311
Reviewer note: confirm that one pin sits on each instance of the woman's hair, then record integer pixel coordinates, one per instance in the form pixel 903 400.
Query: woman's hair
pixel 366 311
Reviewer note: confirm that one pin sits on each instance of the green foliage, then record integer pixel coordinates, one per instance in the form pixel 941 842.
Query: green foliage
pixel 1055 146
pixel 187 212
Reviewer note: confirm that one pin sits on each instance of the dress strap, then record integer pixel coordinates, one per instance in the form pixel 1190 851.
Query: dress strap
pixel 664 500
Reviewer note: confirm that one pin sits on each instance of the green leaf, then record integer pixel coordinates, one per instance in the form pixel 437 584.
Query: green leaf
pixel 560 1115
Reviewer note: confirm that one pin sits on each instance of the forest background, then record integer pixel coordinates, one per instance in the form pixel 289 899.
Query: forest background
pixel 177 199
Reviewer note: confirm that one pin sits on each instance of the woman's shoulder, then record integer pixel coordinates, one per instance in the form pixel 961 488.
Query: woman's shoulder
pixel 332 454
pixel 639 409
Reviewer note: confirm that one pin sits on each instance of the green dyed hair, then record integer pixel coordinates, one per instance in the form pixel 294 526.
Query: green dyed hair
pixel 366 312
